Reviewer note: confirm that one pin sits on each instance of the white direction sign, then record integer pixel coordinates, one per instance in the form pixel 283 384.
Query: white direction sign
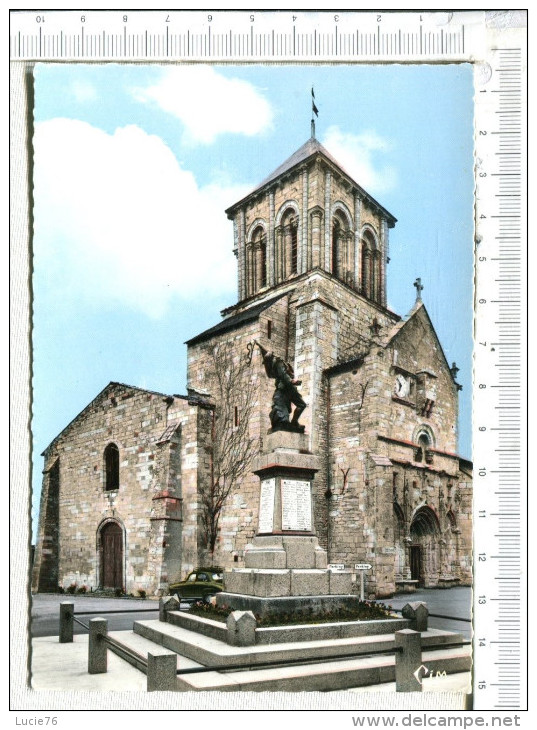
pixel 362 566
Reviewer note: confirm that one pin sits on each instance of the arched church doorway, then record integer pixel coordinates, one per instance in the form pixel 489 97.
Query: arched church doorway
pixel 111 549
pixel 424 546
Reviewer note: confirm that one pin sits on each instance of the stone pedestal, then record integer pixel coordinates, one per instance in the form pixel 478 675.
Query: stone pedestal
pixel 285 567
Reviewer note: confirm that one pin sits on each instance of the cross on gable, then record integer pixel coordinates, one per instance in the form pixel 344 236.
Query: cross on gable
pixel 419 289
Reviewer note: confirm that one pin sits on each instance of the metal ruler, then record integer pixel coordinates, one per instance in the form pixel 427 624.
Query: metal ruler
pixel 498 49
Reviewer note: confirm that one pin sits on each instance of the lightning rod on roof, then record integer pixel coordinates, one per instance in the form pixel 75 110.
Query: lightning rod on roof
pixel 314 113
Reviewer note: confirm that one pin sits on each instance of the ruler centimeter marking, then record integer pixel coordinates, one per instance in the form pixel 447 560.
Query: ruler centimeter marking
pixel 254 35
pixel 500 528
pixel 500 610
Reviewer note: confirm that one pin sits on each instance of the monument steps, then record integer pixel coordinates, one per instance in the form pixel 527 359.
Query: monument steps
pixel 323 677
pixel 286 573
pixel 212 652
pixel 328 675
pixel 291 632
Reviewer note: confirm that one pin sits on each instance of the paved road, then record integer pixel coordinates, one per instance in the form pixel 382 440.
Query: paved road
pixel 456 602
pixel 46 608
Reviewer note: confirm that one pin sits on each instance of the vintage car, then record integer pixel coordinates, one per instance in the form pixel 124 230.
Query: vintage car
pixel 201 584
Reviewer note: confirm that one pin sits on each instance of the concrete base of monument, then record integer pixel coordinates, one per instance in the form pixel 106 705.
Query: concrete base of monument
pixel 313 663
pixel 287 441
pixel 285 567
pixel 269 583
pixel 285 551
pixel 301 605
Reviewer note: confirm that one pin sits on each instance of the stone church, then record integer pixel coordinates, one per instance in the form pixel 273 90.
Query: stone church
pixel 137 490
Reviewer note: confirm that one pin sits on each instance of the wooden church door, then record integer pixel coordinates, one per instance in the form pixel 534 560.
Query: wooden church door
pixel 112 556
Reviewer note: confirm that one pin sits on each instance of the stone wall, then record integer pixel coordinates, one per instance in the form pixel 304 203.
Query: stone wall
pixel 384 489
pixel 333 325
pixel 315 325
pixel 238 520
pixel 45 576
pixel 147 505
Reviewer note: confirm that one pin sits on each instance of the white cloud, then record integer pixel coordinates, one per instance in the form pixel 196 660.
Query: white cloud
pixel 359 155
pixel 117 220
pixel 83 91
pixel 207 103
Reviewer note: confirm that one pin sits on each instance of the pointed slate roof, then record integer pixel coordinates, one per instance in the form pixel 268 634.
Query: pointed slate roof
pixel 308 150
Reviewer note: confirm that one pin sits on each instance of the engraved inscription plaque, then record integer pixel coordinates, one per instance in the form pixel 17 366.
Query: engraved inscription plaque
pixel 266 505
pixel 296 505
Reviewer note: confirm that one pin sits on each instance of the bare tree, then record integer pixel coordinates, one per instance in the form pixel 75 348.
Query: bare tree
pixel 231 447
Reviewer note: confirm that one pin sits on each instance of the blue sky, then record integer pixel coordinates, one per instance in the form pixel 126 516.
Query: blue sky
pixel 134 166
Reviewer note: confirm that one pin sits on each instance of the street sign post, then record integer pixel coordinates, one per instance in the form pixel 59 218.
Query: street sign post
pixel 361 568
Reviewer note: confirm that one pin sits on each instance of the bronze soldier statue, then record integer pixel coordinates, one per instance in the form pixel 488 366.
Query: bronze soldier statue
pixel 285 393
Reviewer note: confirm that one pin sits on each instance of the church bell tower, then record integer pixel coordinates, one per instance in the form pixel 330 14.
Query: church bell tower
pixel 310 214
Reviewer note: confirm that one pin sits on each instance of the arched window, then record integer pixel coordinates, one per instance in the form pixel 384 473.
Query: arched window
pixel 259 254
pixel 336 249
pixel 375 277
pixel 289 232
pixel 423 446
pixel 111 467
pixel 368 246
pixel 263 262
pixel 250 269
pixel 370 267
pixel 294 249
pixel 342 251
pixel 425 441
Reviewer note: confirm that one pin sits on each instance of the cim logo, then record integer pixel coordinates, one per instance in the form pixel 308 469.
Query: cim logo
pixel 423 671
